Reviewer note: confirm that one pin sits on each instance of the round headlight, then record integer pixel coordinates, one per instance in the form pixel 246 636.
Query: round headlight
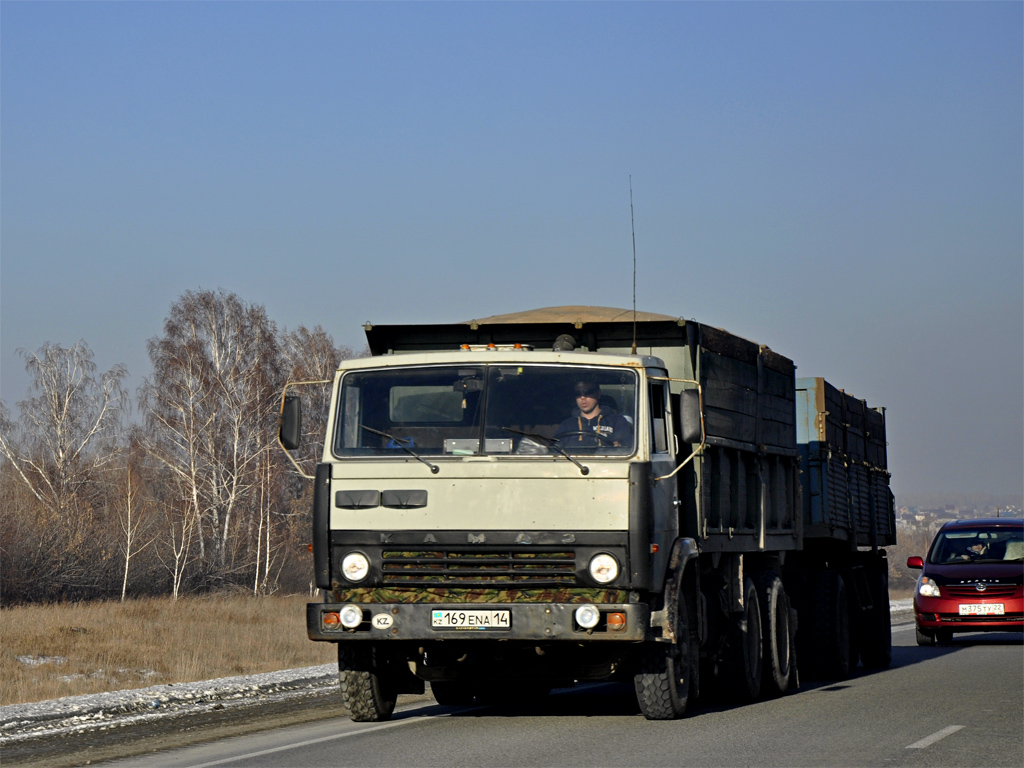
pixel 603 569
pixel 351 616
pixel 355 566
pixel 928 588
pixel 587 616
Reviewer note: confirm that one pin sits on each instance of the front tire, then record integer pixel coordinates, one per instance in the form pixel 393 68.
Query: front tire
pixel 925 637
pixel 667 678
pixel 366 688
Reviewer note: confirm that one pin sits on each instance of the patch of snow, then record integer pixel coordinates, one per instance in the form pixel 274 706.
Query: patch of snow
pixel 33 661
pixel 73 714
pixel 901 606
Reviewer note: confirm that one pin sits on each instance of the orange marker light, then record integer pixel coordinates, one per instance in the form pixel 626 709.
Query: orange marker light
pixel 332 620
pixel 616 622
pixel 654 549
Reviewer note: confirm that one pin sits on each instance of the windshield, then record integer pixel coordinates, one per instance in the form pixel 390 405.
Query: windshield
pixel 510 410
pixel 965 545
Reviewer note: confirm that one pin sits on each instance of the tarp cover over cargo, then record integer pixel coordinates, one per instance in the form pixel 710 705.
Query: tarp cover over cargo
pixel 749 390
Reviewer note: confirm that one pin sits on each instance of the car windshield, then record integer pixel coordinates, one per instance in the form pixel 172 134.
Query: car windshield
pixel 505 410
pixel 981 545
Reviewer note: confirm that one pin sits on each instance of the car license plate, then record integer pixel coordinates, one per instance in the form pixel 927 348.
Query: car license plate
pixel 982 609
pixel 470 620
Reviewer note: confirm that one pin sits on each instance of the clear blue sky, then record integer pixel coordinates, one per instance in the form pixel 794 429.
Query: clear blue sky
pixel 841 181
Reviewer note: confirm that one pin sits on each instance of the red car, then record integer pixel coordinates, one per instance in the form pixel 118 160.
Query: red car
pixel 972 580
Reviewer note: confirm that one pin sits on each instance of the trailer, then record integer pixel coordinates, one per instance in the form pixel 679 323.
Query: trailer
pixel 530 501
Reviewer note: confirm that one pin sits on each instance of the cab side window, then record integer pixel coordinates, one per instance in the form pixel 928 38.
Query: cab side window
pixel 659 418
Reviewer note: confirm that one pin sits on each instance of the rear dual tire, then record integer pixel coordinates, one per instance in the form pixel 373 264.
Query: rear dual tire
pixel 830 643
pixel 743 657
pixel 776 637
pixel 876 626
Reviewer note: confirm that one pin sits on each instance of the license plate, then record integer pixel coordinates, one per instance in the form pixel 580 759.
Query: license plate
pixel 982 609
pixel 470 620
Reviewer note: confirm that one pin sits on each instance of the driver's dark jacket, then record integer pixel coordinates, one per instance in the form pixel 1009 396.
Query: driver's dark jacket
pixel 613 426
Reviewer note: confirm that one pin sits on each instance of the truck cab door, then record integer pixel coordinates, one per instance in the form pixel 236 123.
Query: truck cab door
pixel 662 452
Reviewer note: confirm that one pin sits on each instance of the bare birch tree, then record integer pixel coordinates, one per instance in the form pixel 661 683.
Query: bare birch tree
pixel 210 412
pixel 133 510
pixel 68 429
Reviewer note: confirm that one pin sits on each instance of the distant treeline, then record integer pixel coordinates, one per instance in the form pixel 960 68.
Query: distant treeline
pixel 195 495
pixel 979 501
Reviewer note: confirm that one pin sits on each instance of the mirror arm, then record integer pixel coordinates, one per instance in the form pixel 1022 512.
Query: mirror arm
pixel 284 395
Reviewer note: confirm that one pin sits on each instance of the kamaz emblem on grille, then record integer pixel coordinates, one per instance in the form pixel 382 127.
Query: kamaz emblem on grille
pixel 474 539
pixel 429 539
pixel 524 538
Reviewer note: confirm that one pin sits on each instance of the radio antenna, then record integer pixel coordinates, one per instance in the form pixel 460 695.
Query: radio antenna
pixel 632 228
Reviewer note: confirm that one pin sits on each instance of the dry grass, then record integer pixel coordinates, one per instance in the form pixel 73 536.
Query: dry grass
pixel 68 649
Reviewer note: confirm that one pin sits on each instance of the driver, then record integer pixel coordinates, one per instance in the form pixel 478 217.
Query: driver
pixel 590 419
pixel 976 550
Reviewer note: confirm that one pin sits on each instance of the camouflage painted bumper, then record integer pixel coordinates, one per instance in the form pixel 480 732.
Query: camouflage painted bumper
pixel 533 622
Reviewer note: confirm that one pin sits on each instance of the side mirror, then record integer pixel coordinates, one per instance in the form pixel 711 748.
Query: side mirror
pixel 290 424
pixel 915 562
pixel 689 416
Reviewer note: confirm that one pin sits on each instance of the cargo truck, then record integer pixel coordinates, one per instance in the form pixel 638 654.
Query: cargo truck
pixel 719 528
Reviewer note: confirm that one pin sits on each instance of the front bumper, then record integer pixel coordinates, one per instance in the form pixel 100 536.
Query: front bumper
pixel 933 613
pixel 533 622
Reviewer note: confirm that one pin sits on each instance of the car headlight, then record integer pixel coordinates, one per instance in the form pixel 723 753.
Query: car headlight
pixel 355 566
pixel 604 569
pixel 927 587
pixel 587 616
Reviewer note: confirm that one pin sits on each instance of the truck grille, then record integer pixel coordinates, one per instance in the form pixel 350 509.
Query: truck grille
pixel 478 568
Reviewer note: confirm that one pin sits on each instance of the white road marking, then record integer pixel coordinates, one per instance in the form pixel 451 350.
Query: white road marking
pixel 927 741
pixel 296 745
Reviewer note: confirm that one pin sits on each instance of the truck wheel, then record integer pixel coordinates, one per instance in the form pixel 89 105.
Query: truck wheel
pixel 452 693
pixel 665 680
pixel 830 625
pixel 776 666
pixel 876 625
pixel 925 637
pixel 366 688
pixel 743 654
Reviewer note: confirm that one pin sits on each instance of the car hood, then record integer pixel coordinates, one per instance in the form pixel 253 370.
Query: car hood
pixel 1007 573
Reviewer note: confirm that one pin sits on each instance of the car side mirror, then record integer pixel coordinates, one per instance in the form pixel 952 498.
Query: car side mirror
pixel 689 416
pixel 290 424
pixel 915 562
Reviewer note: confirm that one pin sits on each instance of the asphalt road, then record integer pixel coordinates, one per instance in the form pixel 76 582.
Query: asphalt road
pixel 959 705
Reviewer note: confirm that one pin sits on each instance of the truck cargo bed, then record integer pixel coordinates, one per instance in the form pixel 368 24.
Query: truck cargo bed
pixel 845 474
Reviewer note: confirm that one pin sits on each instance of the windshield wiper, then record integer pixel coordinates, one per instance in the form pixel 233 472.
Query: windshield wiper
pixel 550 442
pixel 401 443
